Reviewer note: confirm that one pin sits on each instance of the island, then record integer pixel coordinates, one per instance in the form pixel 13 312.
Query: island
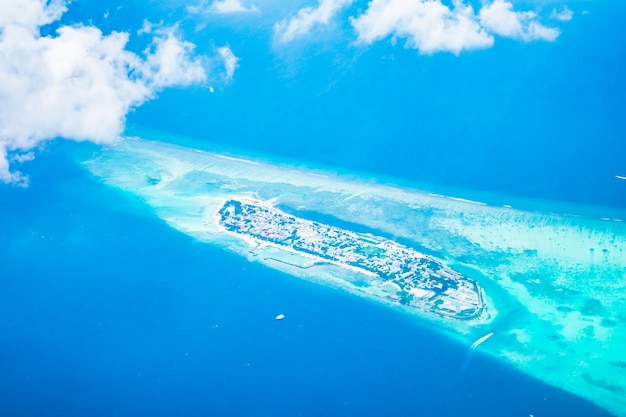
pixel 551 276
pixel 400 274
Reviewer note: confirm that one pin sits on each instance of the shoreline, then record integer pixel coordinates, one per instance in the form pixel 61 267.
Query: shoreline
pixel 539 262
pixel 491 199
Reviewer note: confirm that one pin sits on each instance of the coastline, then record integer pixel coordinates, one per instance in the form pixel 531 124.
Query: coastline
pixel 542 261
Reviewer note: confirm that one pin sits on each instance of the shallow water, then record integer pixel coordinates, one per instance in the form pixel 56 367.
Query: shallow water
pixel 109 310
pixel 552 302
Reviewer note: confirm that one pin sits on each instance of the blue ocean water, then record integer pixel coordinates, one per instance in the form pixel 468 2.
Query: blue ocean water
pixel 540 120
pixel 106 311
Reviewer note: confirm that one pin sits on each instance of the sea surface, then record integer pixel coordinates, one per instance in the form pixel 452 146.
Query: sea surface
pixel 105 310
pixel 110 312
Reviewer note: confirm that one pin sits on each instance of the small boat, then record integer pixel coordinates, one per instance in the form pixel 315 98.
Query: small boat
pixel 280 317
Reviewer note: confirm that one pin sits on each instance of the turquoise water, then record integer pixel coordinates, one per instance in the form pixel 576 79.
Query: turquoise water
pixel 541 120
pixel 106 310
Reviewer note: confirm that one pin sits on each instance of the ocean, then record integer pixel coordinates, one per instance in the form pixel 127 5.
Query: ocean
pixel 539 120
pixel 106 310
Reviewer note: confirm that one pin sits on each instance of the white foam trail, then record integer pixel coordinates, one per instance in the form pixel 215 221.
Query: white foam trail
pixel 470 352
pixel 481 340
pixel 465 200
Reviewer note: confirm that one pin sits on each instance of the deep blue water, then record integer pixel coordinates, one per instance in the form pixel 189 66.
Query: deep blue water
pixel 106 311
pixel 539 120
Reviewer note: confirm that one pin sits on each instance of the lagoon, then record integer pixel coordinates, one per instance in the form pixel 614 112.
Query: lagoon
pixel 552 279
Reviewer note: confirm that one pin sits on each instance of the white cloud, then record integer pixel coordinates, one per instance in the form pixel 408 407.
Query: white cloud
pixel 499 18
pixel 303 22
pixel 230 61
pixel 30 14
pixel 430 26
pixel 170 62
pixel 25 157
pixel 148 27
pixel 78 84
pixel 222 7
pixel 427 25
pixel 564 15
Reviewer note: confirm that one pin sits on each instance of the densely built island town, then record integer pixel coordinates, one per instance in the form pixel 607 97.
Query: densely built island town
pixel 398 273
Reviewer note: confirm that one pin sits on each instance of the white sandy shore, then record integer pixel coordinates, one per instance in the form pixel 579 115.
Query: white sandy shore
pixel 564 274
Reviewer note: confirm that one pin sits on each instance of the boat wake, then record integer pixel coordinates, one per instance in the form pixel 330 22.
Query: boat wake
pixel 470 352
